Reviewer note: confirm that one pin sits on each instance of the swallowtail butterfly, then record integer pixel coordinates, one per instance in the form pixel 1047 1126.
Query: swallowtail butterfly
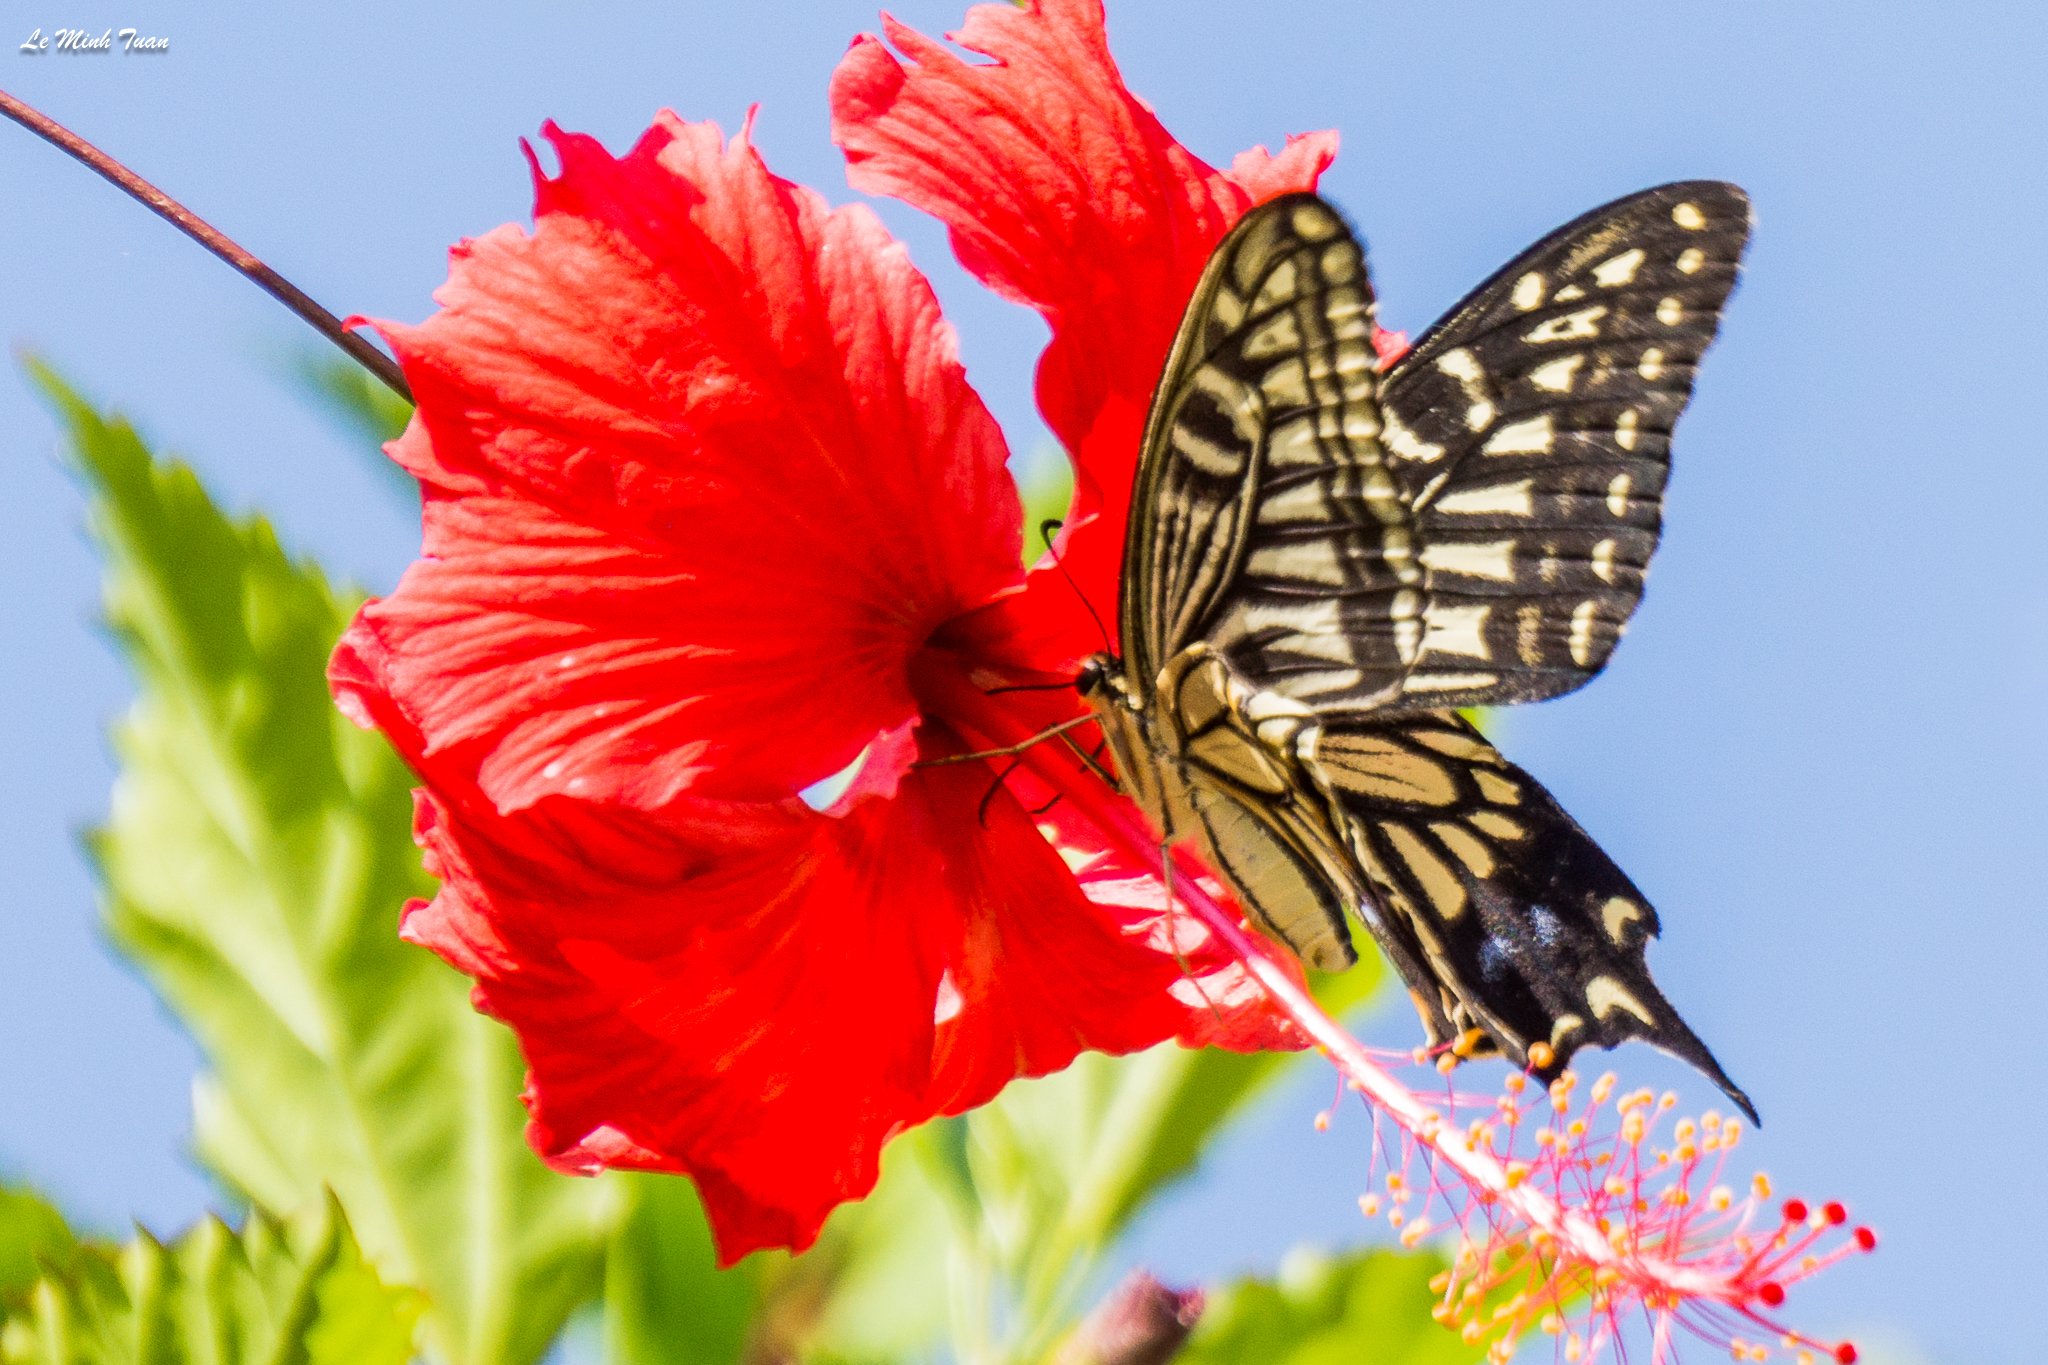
pixel 1326 559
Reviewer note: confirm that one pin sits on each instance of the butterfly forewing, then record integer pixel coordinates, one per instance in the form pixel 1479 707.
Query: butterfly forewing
pixel 1530 432
pixel 1265 515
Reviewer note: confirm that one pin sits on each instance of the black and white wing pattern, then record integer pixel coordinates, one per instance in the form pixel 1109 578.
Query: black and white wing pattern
pixel 1270 394
pixel 1324 559
pixel 1530 432
pixel 1531 940
pixel 1473 526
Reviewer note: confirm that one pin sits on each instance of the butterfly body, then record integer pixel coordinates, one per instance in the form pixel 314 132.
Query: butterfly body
pixel 1327 556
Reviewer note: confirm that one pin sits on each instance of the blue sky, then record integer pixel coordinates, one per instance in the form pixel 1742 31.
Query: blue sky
pixel 1817 751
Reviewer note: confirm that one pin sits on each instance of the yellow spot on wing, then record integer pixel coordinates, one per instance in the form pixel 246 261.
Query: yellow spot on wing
pixel 1617 914
pixel 1603 560
pixel 1620 270
pixel 1577 326
pixel 1530 436
pixel 1556 376
pixel 1625 432
pixel 1688 216
pixel 1606 995
pixel 1529 291
pixel 1497 789
pixel 1458 630
pixel 1467 847
pixel 1376 767
pixel 1498 825
pixel 1583 617
pixel 1517 499
pixel 1494 560
pixel 1441 885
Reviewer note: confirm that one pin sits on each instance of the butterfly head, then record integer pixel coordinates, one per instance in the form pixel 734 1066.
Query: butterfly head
pixel 1098 679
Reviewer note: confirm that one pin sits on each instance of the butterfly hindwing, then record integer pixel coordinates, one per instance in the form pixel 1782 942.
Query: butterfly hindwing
pixel 1530 432
pixel 1528 931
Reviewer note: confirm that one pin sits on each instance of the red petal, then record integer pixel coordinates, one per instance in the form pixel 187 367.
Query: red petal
pixel 701 470
pixel 764 1011
pixel 1063 192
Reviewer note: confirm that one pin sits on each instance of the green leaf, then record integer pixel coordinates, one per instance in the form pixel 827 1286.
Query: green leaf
pixel 665 1300
pixel 32 1234
pixel 291 1293
pixel 1066 1162
pixel 255 862
pixel 1325 1310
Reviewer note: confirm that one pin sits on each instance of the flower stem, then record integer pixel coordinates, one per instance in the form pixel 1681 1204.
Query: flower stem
pixel 213 239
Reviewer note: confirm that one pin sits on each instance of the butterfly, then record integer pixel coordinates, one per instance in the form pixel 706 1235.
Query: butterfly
pixel 1327 559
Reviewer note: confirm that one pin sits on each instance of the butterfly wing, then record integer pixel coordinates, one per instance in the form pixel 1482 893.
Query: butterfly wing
pixel 1526 929
pixel 1530 432
pixel 1270 393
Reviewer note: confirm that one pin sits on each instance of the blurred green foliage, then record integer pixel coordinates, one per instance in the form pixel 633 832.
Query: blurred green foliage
pixel 1330 1310
pixel 33 1234
pixel 255 860
pixel 276 1293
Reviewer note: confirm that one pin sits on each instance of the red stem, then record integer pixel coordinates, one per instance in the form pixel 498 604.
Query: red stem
pixel 213 239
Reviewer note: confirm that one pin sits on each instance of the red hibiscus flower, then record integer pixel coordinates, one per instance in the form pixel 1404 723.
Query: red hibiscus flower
pixel 712 514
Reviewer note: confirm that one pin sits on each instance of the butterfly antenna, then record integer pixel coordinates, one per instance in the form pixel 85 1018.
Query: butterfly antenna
pixel 1046 529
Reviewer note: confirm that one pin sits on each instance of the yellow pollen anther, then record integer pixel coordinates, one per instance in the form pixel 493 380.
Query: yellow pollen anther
pixel 1515 1083
pixel 1685 1130
pixel 1760 1185
pixel 1447 1063
pixel 1721 1198
pixel 1440 1281
pixel 1369 1205
pixel 1323 1122
pixel 1552 1325
pixel 1472 1334
pixel 1604 1087
pixel 1396 1218
pixel 1577 1128
pixel 1668 1100
pixel 1518 1171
